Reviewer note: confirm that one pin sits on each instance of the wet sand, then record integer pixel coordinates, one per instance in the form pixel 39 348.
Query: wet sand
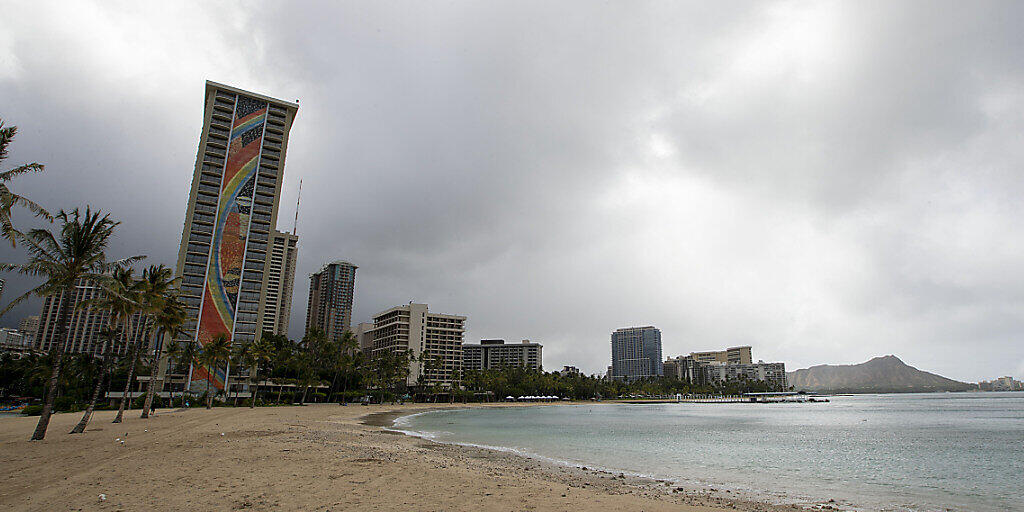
pixel 317 457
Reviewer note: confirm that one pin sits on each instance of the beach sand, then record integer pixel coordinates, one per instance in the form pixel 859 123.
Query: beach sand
pixel 318 457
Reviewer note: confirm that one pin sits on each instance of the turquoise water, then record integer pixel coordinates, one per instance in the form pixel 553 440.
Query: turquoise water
pixel 920 452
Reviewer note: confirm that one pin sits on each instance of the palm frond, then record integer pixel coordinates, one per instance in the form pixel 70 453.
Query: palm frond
pixel 21 169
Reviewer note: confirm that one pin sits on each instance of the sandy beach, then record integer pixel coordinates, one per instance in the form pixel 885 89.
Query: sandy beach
pixel 317 457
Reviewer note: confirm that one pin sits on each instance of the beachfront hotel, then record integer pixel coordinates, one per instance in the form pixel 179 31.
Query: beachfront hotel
pixel 490 354
pixel 329 308
pixel 280 282
pixel 732 355
pixel 230 215
pixel 636 353
pixel 82 325
pixel 414 329
pixel 733 364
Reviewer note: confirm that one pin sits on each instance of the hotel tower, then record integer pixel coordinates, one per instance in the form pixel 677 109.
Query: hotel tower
pixel 232 263
pixel 329 307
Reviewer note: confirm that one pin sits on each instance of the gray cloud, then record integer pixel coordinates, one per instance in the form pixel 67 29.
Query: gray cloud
pixel 824 181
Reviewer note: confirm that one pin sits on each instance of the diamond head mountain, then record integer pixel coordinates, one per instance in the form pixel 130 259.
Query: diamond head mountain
pixel 886 374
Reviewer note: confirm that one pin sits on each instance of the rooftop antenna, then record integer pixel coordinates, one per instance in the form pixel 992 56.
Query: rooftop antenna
pixel 295 227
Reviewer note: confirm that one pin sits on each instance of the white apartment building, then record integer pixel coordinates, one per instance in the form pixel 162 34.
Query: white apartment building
pixel 490 354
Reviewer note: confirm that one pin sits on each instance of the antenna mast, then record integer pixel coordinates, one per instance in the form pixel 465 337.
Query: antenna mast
pixel 295 227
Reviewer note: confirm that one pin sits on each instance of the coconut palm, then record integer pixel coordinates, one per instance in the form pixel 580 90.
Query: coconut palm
pixel 174 351
pixel 313 347
pixel 108 334
pixel 156 283
pixel 9 199
pixel 343 357
pixel 118 299
pixel 242 357
pixel 77 252
pixel 217 350
pixel 169 323
pixel 262 353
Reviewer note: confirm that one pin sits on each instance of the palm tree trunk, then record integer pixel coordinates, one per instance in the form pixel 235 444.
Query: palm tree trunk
pixel 152 378
pixel 334 382
pixel 51 394
pixel 126 396
pixel 280 389
pixel 95 393
pixel 256 387
pixel 209 384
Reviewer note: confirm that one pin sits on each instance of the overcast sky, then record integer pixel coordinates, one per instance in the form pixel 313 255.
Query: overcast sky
pixel 826 182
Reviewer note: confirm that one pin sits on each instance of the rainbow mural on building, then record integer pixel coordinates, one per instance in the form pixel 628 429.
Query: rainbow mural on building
pixel 230 232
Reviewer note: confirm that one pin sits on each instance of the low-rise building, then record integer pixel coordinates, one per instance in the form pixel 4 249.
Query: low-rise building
pixel 13 338
pixel 570 371
pixel 15 342
pixel 772 373
pixel 732 355
pixel 703 368
pixel 685 368
pixel 1001 384
pixel 495 353
pixel 364 335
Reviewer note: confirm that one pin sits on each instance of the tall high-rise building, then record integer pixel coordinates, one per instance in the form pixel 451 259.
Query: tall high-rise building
pixel 636 353
pixel 280 282
pixel 2 283
pixel 329 308
pixel 230 218
pixel 83 324
pixel 412 328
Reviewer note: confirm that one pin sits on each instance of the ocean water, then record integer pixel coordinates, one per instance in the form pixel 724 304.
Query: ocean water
pixel 913 452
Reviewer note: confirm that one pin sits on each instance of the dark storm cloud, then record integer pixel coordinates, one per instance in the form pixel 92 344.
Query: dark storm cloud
pixel 824 181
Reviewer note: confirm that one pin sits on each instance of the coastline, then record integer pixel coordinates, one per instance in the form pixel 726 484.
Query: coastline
pixel 317 457
pixel 708 496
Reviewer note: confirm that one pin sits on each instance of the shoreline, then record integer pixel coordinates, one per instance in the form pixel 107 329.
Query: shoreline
pixel 316 457
pixel 703 494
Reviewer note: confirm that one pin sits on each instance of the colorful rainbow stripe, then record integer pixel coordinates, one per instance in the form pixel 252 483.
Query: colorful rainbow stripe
pixel 230 232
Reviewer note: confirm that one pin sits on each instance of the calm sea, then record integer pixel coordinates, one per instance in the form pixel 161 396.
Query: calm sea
pixel 917 452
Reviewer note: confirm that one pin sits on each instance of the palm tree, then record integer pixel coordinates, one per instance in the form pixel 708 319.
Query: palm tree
pixel 314 343
pixel 342 358
pixel 242 356
pixel 218 349
pixel 118 299
pixel 262 353
pixel 76 253
pixel 174 351
pixel 169 322
pixel 7 198
pixel 156 283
